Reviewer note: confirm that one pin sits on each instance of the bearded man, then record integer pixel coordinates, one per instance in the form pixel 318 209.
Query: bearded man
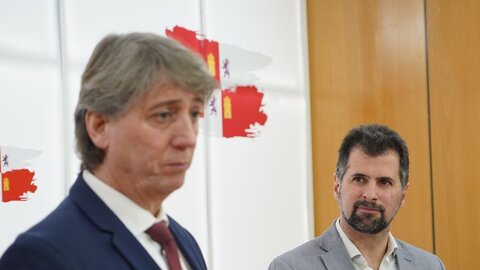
pixel 369 184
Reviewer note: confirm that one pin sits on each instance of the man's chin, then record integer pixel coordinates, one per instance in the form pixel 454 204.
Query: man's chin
pixel 370 218
pixel 367 224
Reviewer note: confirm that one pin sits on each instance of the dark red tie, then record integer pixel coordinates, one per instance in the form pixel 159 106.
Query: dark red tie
pixel 162 235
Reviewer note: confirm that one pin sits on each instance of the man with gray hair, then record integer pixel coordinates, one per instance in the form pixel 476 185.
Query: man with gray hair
pixel 369 185
pixel 136 125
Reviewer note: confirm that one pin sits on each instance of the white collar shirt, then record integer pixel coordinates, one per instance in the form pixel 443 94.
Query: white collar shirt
pixel 135 218
pixel 359 262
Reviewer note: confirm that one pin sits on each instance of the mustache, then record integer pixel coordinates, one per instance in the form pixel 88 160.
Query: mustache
pixel 369 205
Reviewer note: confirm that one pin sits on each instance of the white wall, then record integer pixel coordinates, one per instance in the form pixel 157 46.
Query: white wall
pixel 246 200
pixel 31 116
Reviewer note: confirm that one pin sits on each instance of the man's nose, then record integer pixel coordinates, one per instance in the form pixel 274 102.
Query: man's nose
pixel 185 133
pixel 370 192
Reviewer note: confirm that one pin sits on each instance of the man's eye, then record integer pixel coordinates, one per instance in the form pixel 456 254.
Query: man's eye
pixel 197 114
pixel 358 179
pixel 386 182
pixel 163 115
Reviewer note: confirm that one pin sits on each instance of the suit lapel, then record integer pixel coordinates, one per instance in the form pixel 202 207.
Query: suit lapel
pixel 334 261
pixel 404 258
pixel 133 251
pixel 189 250
pixel 106 221
pixel 336 255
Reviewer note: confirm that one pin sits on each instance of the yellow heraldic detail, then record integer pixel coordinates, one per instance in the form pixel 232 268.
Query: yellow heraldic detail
pixel 211 64
pixel 227 108
pixel 6 184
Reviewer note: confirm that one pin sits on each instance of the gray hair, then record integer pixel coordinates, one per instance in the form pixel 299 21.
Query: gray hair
pixel 373 140
pixel 122 69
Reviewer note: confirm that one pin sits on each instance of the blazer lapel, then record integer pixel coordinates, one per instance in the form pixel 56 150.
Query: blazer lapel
pixel 334 261
pixel 404 258
pixel 336 255
pixel 107 222
pixel 133 251
pixel 187 245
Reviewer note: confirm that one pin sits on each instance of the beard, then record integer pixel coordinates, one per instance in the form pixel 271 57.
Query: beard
pixel 367 223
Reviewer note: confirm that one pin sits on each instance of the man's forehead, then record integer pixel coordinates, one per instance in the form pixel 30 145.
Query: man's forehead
pixel 171 92
pixel 358 155
pixel 360 150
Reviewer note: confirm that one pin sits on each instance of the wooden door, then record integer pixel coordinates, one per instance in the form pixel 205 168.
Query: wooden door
pixel 454 75
pixel 368 65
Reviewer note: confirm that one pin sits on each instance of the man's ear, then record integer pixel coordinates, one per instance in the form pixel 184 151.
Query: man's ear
pixel 336 186
pixel 96 125
pixel 403 194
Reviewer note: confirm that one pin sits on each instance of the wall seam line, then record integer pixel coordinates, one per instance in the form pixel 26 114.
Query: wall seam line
pixel 64 93
pixel 208 180
pixel 425 17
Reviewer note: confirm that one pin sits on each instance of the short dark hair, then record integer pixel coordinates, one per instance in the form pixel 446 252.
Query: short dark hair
pixel 122 70
pixel 373 140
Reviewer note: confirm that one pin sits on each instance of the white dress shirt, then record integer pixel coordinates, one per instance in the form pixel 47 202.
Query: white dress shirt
pixel 359 262
pixel 135 218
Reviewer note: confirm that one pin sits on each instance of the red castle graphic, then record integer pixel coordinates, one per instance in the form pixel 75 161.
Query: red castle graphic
pixel 208 49
pixel 241 105
pixel 16 182
pixel 240 110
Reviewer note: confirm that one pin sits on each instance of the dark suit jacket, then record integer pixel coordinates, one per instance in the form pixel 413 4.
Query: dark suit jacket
pixel 327 252
pixel 82 233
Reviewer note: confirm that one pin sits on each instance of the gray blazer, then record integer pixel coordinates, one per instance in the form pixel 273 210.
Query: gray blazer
pixel 329 252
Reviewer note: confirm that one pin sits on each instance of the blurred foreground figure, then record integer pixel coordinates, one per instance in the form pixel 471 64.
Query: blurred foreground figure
pixel 136 126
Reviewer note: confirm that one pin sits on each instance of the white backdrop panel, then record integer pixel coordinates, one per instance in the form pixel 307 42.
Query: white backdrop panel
pixel 28 29
pixel 28 121
pixel 29 85
pixel 88 21
pixel 259 189
pixel 260 186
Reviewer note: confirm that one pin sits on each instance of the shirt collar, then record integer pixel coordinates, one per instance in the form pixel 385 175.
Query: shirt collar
pixel 135 218
pixel 392 247
pixel 353 250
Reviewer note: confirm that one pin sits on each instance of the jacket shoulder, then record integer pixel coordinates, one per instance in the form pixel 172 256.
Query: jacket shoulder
pixel 305 256
pixel 43 245
pixel 421 258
